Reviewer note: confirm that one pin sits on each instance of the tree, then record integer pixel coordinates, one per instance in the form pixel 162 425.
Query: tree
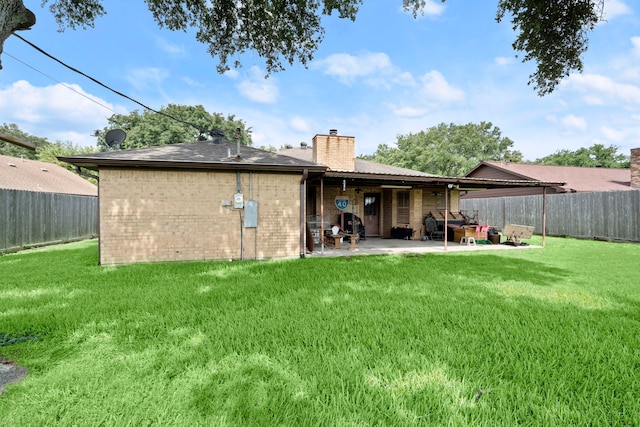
pixel 8 149
pixel 448 150
pixel 595 156
pixel 50 153
pixel 553 33
pixel 173 124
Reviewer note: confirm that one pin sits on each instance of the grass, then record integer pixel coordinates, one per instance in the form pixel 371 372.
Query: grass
pixel 524 337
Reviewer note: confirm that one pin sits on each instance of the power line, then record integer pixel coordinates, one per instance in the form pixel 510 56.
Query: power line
pixel 75 70
pixel 59 82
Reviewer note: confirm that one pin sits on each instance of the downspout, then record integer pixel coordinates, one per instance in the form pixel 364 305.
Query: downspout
pixel 99 228
pixel 239 190
pixel 303 202
pixel 85 174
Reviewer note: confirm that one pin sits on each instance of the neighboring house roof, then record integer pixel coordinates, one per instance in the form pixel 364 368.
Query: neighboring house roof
pixel 576 179
pixel 33 175
pixel 195 155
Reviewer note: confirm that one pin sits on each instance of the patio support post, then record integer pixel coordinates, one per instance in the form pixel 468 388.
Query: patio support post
pixel 544 214
pixel 446 215
pixel 322 215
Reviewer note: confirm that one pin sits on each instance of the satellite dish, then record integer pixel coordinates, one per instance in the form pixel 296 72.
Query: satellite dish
pixel 115 137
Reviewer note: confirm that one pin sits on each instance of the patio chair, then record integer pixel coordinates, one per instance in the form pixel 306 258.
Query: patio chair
pixel 431 229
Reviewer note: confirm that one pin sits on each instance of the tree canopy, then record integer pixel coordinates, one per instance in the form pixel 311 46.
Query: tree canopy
pixel 448 149
pixel 8 149
pixel 595 156
pixel 553 34
pixel 45 151
pixel 172 124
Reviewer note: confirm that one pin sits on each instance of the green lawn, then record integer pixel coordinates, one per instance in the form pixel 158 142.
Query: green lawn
pixel 540 337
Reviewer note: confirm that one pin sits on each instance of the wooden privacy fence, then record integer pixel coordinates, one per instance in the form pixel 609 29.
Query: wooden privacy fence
pixel 32 218
pixel 612 215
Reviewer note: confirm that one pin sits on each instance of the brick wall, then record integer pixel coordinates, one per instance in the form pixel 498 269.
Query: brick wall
pixel 149 216
pixel 337 152
pixel 635 168
pixel 331 212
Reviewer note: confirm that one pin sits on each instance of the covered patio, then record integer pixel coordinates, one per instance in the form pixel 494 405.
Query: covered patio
pixel 384 246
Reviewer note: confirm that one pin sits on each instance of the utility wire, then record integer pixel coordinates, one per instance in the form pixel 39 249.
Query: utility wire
pixel 59 82
pixel 107 87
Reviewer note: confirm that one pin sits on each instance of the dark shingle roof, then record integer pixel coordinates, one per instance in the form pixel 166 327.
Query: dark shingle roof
pixel 199 155
pixel 361 166
pixel 33 175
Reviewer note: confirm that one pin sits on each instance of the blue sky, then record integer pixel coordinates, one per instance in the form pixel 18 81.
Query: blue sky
pixel 384 75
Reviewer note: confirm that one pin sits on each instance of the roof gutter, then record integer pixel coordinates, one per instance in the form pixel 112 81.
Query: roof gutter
pixel 16 141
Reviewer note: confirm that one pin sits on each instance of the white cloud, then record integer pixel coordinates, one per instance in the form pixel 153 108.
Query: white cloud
pixel 191 82
pixel 371 68
pixel 606 89
pixel 300 124
pixel 430 8
pixel 635 41
pixel 436 88
pixel 614 135
pixel 614 8
pixel 346 68
pixel 574 122
pixel 232 73
pixel 503 60
pixel 62 112
pixel 170 48
pixel 409 112
pixel 145 78
pixel 258 88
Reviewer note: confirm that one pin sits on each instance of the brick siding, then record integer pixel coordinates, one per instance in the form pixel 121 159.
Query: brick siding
pixel 151 216
pixel 336 152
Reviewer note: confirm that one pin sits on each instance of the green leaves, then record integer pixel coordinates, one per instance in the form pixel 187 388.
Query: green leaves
pixel 595 156
pixel 554 34
pixel 173 124
pixel 448 150
pixel 8 149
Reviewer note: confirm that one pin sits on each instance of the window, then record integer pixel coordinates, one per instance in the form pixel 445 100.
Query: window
pixel 370 205
pixel 403 207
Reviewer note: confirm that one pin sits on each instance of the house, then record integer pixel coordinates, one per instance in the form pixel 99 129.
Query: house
pixel 390 201
pixel 199 201
pixel 33 175
pixel 576 179
pixel 213 200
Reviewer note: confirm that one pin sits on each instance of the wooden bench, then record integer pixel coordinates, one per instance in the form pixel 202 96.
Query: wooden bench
pixel 516 233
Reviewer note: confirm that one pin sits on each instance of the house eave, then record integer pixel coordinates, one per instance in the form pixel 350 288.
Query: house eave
pixel 162 164
pixel 467 183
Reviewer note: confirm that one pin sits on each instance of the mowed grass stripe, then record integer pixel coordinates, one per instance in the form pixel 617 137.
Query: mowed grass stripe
pixel 529 337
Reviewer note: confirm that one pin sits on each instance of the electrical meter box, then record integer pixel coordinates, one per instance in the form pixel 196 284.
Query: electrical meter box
pixel 251 214
pixel 238 201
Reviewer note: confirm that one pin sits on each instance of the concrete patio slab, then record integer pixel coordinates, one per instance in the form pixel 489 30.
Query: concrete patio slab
pixel 382 246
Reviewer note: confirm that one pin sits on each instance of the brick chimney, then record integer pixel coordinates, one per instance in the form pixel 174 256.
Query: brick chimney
pixel 635 168
pixel 337 152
